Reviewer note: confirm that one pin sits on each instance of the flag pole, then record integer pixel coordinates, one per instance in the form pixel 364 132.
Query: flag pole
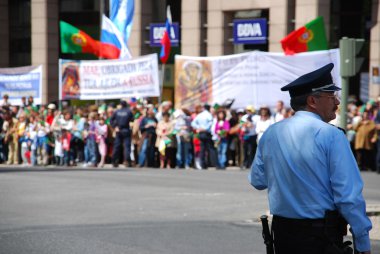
pixel 165 51
pixel 161 83
pixel 101 12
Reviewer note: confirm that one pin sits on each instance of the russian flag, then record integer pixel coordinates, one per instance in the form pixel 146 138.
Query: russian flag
pixel 112 40
pixel 168 34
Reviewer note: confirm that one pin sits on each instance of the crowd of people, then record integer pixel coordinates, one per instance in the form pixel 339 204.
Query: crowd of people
pixel 140 134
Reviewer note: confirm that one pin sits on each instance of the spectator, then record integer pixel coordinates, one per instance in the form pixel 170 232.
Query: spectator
pixel 77 143
pixel 91 141
pixel 148 138
pixel 42 129
pixel 65 140
pixel 5 102
pixel 235 146
pixel 136 135
pixel 24 103
pixel 101 135
pixel 202 124
pixel 249 135
pixel 365 140
pixel 165 141
pixel 20 134
pixel 32 128
pixel 222 128
pixel 182 128
pixel 11 139
pixel 279 111
pixel 50 114
pixel 263 122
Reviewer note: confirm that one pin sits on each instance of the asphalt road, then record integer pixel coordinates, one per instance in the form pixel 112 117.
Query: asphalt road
pixel 134 211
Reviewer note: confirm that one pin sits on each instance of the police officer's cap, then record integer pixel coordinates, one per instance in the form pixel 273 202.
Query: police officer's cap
pixel 319 80
pixel 123 103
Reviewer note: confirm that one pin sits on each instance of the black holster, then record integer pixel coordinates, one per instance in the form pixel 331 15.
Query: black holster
pixel 268 238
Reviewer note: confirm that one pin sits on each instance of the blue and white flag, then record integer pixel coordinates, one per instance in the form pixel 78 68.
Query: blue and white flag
pixel 110 34
pixel 121 14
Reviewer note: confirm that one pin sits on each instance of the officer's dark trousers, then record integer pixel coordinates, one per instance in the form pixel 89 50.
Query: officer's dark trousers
pixel 300 236
pixel 123 138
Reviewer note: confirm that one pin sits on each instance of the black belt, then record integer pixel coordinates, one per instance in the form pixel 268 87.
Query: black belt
pixel 305 223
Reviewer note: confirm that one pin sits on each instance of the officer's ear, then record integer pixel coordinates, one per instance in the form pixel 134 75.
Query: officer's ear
pixel 311 102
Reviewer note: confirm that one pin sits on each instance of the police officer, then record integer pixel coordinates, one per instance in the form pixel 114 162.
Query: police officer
pixel 120 122
pixel 310 173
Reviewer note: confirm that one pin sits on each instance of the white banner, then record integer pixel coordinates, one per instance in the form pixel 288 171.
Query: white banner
pixel 253 78
pixel 109 79
pixel 21 82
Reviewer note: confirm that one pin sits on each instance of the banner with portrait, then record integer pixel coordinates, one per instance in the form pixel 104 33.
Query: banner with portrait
pixel 21 82
pixel 253 78
pixel 109 79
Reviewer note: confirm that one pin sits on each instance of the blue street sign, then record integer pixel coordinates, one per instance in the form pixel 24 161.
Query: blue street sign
pixel 157 31
pixel 252 31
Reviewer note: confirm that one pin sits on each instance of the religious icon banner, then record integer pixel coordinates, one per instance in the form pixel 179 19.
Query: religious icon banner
pixel 253 78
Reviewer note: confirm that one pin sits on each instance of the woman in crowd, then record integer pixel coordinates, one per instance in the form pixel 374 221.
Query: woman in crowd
pixel 365 141
pixel 77 143
pixel 148 138
pixel 10 138
pixel 42 129
pixel 20 132
pixel 263 122
pixel 235 147
pixel 136 134
pixel 182 129
pixel 222 127
pixel 91 141
pixel 164 142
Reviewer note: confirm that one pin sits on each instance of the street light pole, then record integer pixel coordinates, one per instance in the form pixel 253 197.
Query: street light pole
pixel 350 63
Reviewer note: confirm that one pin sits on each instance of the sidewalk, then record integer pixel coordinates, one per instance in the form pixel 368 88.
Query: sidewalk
pixel 373 211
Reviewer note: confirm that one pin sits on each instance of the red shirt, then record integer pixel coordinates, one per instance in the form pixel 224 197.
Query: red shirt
pixel 49 119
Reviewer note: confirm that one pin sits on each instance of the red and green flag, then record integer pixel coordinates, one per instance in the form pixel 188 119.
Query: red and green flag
pixel 74 40
pixel 310 37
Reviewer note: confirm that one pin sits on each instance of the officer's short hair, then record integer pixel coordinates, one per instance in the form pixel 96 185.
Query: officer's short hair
pixel 299 102
pixel 123 103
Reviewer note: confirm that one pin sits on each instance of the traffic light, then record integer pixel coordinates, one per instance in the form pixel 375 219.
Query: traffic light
pixel 350 59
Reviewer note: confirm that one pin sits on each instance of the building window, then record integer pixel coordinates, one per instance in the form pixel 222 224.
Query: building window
pixel 19 33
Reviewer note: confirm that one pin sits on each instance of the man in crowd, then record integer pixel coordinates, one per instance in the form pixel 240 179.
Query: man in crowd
pixel 202 123
pixel 279 111
pixel 314 184
pixel 249 135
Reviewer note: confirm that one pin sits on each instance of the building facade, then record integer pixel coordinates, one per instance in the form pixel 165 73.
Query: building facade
pixel 30 30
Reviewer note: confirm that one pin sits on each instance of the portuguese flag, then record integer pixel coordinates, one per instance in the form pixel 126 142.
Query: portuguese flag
pixel 310 37
pixel 75 41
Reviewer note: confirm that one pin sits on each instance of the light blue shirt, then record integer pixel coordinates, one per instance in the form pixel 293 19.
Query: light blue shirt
pixel 203 121
pixel 308 167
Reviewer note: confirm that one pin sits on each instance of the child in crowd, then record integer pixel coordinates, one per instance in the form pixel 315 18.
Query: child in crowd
pixel 58 152
pixel 42 129
pixel 31 129
pixel 101 135
pixel 65 141
pixel 25 144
